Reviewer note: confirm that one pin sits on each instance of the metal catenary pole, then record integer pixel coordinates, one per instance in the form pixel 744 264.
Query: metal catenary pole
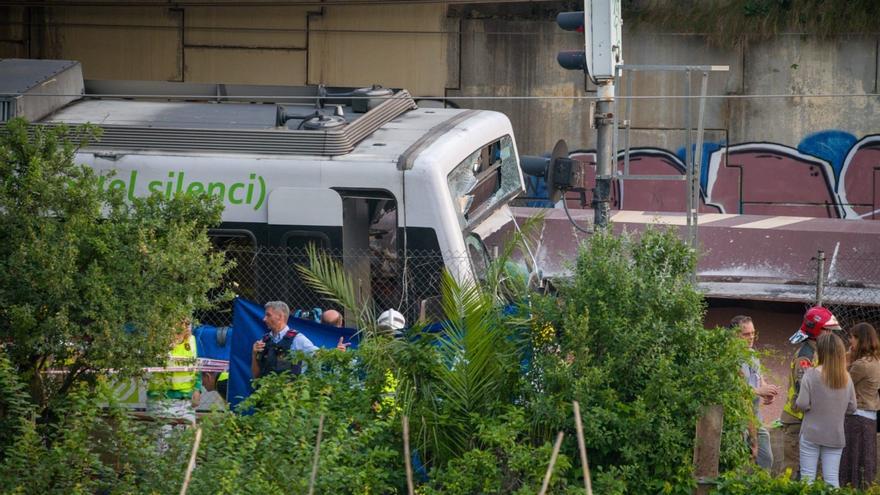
pixel 604 153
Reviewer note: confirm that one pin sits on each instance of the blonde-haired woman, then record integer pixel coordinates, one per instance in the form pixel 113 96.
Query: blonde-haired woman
pixel 826 396
pixel 858 464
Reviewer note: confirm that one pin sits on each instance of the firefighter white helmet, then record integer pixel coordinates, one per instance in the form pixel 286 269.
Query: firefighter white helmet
pixel 391 321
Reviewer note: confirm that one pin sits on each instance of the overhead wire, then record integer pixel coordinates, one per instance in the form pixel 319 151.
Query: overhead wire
pixel 246 4
pixel 53 24
pixel 249 29
pixel 440 99
pixel 310 30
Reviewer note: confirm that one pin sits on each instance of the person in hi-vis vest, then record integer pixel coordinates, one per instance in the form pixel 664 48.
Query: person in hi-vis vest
pixel 817 321
pixel 175 394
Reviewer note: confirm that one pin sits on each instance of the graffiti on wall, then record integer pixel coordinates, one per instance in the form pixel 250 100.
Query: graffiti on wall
pixel 830 174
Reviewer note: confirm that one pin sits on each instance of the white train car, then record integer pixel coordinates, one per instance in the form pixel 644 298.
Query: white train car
pixel 293 166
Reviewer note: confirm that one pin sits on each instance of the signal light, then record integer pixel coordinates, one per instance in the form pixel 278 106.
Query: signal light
pixel 601 25
pixel 572 60
pixel 571 21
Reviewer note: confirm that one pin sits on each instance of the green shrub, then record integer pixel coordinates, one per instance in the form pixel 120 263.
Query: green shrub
pixel 89 449
pixel 506 462
pixel 95 449
pixel 759 482
pixel 631 348
pixel 271 450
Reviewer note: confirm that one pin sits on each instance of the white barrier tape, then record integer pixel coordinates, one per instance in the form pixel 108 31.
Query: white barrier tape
pixel 210 365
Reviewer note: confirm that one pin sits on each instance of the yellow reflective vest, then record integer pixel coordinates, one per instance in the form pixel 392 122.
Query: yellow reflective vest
pixel 805 359
pixel 179 383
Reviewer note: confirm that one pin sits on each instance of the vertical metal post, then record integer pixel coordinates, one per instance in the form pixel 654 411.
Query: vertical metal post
pixel 689 172
pixel 698 162
pixel 615 141
pixel 627 118
pixel 604 153
pixel 820 277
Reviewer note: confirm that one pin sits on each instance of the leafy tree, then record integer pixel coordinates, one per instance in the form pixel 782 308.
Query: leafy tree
pixel 90 449
pixel 89 280
pixel 625 338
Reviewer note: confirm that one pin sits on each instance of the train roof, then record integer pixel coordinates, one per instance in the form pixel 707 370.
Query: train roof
pixel 171 117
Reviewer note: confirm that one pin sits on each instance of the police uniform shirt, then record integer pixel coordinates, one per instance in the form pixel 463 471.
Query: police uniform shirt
pixel 300 342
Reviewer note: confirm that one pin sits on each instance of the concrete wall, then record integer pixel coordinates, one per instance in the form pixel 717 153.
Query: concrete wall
pixel 432 49
pixel 393 45
pixel 521 61
pixel 804 65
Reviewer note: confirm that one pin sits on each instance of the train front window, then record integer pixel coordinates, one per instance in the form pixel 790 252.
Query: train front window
pixel 484 179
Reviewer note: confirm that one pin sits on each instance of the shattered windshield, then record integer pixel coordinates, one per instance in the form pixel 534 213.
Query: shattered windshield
pixel 484 179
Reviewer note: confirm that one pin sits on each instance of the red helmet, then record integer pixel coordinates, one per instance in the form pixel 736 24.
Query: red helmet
pixel 816 319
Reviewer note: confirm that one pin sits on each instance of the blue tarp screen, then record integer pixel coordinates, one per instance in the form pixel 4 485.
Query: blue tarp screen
pixel 206 343
pixel 248 327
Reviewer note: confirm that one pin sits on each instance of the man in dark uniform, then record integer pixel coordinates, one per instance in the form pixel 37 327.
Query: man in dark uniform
pixel 817 321
pixel 271 354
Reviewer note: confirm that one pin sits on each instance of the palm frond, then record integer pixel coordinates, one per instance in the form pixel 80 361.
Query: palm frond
pixel 476 358
pixel 327 277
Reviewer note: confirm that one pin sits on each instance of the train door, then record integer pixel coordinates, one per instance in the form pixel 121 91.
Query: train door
pixel 370 254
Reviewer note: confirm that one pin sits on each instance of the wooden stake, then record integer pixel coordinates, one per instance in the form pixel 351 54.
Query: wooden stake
pixel 192 462
pixel 707 448
pixel 317 454
pixel 582 446
pixel 553 457
pixel 410 488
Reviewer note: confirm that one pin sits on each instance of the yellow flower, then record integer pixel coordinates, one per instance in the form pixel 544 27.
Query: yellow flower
pixel 544 335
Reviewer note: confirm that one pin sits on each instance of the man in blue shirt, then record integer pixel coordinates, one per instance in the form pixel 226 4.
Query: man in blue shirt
pixel 758 436
pixel 271 354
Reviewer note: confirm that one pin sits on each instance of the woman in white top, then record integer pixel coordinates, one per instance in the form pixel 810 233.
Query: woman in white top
pixel 826 396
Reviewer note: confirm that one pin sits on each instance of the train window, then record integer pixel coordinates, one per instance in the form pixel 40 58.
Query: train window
pixel 299 240
pixel 240 248
pixel 484 179
pixel 232 238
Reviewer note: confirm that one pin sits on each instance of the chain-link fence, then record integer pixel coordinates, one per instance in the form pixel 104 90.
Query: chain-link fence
pixel 410 284
pixel 849 285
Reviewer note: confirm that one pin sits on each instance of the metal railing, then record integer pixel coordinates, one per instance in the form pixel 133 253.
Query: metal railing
pixel 852 298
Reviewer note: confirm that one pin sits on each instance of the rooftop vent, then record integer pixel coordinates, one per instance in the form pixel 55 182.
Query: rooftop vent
pixel 327 136
pixel 363 98
pixel 321 122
